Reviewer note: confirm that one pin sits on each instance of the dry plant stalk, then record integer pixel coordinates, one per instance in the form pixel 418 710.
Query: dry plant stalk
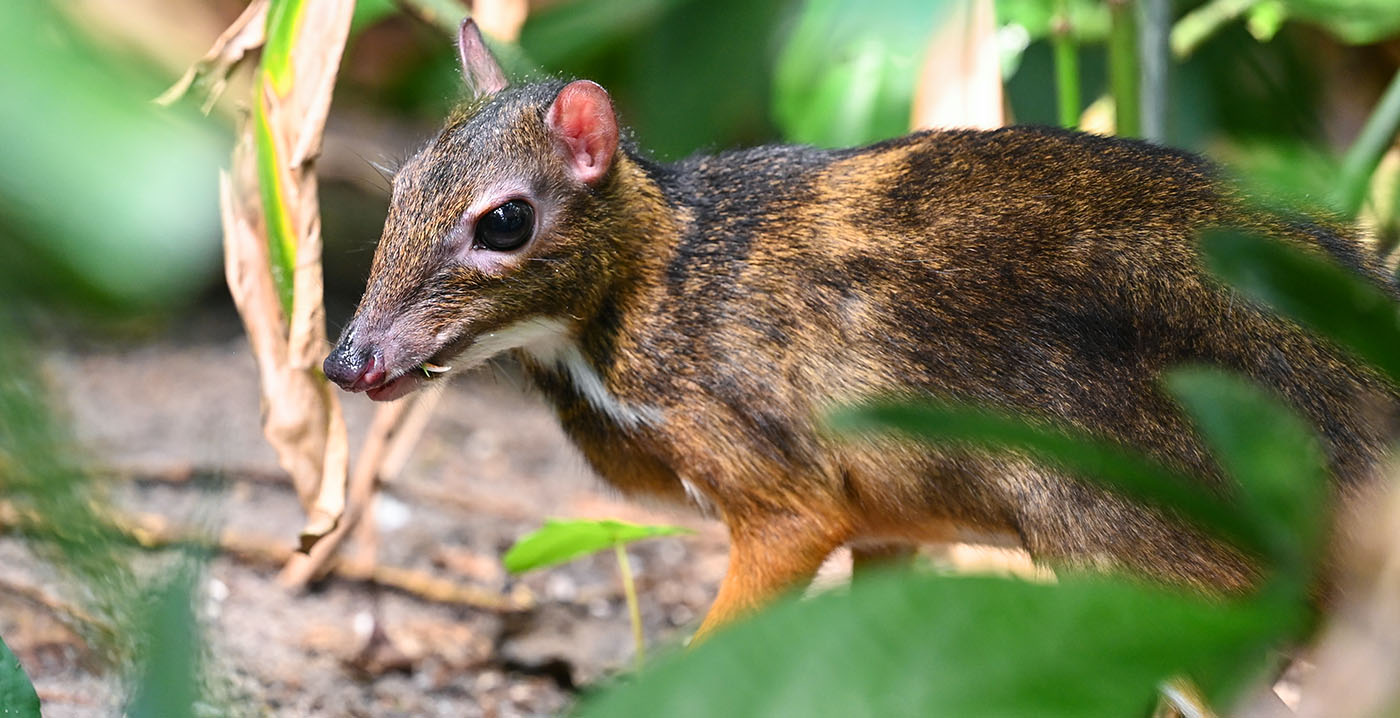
pixel 312 562
pixel 246 34
pixel 1356 672
pixel 500 19
pixel 272 238
pixel 301 415
pixel 960 81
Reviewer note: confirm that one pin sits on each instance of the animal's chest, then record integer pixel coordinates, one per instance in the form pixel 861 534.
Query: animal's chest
pixel 623 441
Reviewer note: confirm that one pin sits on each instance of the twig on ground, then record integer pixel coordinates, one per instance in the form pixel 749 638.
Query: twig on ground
pixel 155 531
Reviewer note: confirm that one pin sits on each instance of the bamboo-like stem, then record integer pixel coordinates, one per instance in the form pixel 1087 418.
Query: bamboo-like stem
pixel 1365 154
pixel 1154 22
pixel 634 609
pixel 1066 66
pixel 1124 81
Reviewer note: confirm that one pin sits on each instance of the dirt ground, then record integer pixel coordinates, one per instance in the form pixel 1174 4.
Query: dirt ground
pixel 173 421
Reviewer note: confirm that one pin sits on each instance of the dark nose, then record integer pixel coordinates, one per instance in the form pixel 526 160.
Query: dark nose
pixel 354 369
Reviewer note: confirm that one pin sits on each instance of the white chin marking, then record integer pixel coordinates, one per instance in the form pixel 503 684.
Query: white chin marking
pixel 548 341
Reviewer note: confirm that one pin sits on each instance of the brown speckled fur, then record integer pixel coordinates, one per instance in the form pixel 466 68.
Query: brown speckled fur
pixel 1043 271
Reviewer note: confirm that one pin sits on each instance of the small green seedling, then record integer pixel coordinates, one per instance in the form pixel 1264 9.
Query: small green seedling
pixel 560 541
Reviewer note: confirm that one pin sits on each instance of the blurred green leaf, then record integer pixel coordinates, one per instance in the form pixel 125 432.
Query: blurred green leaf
pixel 1287 174
pixel 281 235
pixel 1082 455
pixel 103 196
pixel 684 74
pixel 1265 18
pixel 847 73
pixel 1088 19
pixel 1359 22
pixel 168 681
pixel 17 696
pixel 1364 156
pixel 1313 291
pixel 698 77
pixel 283 17
pixel 576 29
pixel 562 541
pixel 1273 458
pixel 369 12
pixel 909 645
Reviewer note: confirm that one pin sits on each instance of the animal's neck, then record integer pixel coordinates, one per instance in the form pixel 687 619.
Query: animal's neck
pixel 601 340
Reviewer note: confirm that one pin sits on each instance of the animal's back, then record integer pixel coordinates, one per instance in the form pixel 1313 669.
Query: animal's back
pixel 1042 271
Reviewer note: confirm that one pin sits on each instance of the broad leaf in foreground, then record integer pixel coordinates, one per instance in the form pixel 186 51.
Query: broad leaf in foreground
pixel 17 696
pixel 1312 291
pixel 906 645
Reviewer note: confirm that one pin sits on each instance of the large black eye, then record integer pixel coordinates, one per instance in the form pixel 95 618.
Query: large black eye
pixel 506 227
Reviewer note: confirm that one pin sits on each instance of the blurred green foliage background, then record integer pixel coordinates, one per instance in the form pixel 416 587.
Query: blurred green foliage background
pixel 108 203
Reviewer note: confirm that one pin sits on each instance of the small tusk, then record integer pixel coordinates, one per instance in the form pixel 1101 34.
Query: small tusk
pixel 430 370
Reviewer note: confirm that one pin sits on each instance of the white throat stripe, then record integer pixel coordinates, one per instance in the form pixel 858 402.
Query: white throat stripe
pixel 548 341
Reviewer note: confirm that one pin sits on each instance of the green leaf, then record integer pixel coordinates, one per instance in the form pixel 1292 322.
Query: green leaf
pixel 580 28
pixel 17 696
pixel 1359 22
pixel 1364 155
pixel 1312 291
pixel 1079 454
pixel 283 19
pixel 1272 456
pixel 1088 19
pixel 560 541
pixel 1264 19
pixel 847 72
pixel 281 235
pixel 168 680
pixel 104 197
pixel 908 645
pixel 369 12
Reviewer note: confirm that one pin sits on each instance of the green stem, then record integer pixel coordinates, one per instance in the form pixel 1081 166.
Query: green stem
pixel 1123 68
pixel 1365 154
pixel 634 610
pixel 1154 21
pixel 1066 66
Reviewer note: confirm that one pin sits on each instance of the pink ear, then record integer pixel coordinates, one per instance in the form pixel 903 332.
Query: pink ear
pixel 479 67
pixel 582 120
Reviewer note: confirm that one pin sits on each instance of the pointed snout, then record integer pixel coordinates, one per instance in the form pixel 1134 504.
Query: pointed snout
pixel 354 368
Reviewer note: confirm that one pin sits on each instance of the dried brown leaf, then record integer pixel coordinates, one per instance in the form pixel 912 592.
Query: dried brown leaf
pixel 288 394
pixel 319 547
pixel 501 19
pixel 301 413
pixel 246 34
pixel 1357 671
pixel 960 84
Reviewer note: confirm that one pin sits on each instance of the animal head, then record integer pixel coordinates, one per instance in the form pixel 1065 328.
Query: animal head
pixel 496 232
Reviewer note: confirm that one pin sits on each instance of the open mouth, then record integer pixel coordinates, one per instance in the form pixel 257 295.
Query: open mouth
pixel 409 381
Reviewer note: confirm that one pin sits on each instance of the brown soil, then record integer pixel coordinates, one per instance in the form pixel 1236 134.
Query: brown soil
pixel 175 421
